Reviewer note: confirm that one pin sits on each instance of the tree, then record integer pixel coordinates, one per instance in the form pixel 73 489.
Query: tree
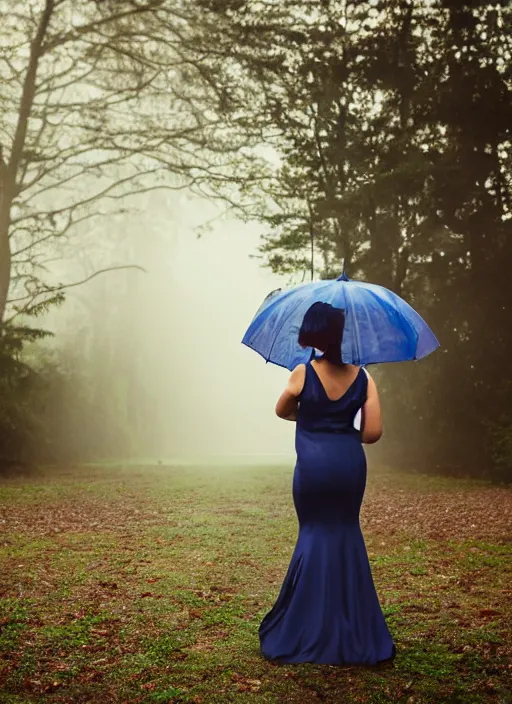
pixel 392 120
pixel 99 100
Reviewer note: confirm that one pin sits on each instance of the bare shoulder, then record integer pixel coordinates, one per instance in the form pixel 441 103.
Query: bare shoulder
pixel 297 378
pixel 368 375
pixel 372 387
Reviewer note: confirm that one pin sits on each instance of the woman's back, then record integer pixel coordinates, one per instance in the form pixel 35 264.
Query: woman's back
pixel 335 378
pixel 331 397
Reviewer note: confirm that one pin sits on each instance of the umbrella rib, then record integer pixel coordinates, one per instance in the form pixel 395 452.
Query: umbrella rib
pixel 275 338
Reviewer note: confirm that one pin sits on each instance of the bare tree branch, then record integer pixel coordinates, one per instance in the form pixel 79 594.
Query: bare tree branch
pixel 110 100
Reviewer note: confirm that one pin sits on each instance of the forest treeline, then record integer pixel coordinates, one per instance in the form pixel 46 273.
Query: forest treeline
pixel 377 134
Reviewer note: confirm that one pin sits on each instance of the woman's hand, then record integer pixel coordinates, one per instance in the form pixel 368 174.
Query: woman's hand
pixel 287 405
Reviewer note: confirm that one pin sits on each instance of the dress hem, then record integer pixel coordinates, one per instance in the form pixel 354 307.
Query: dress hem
pixel 284 661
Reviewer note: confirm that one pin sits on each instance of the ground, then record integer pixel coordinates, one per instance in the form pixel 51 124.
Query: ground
pixel 139 585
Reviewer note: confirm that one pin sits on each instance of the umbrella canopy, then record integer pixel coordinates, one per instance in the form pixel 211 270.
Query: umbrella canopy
pixel 379 325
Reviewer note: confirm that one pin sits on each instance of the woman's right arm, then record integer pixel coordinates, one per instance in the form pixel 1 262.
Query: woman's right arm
pixel 371 420
pixel 287 404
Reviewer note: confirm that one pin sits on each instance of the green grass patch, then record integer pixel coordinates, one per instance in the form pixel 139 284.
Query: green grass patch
pixel 132 585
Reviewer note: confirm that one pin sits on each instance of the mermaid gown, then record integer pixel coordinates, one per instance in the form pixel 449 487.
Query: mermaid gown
pixel 328 611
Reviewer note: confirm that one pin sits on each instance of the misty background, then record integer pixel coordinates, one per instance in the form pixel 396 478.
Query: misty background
pixel 375 134
pixel 166 342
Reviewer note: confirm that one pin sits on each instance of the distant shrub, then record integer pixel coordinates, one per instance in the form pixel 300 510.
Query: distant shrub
pixel 499 437
pixel 21 422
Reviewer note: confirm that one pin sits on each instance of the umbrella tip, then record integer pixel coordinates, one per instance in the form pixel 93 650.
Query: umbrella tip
pixel 343 277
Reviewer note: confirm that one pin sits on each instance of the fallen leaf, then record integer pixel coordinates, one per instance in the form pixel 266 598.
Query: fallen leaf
pixel 488 612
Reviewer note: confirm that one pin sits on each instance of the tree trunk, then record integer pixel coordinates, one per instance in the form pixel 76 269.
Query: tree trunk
pixel 8 186
pixel 5 248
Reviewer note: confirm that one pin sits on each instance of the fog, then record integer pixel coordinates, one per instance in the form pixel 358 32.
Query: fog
pixel 175 330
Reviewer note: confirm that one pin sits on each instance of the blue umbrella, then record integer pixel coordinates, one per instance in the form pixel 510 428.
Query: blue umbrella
pixel 379 325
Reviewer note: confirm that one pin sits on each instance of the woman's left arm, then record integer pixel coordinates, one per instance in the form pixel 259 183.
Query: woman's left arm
pixel 287 404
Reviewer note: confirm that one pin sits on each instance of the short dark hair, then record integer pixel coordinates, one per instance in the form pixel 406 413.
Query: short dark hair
pixel 322 327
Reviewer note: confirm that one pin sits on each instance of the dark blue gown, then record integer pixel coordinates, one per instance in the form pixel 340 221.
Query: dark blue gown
pixel 328 611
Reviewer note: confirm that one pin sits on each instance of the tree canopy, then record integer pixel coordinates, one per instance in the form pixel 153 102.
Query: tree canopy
pixel 392 121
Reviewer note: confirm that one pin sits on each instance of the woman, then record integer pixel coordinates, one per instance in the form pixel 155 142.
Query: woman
pixel 328 611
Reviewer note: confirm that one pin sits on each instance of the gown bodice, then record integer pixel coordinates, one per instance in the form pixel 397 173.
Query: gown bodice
pixel 318 413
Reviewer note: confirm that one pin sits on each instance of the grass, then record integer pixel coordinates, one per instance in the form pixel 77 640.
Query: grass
pixel 138 585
